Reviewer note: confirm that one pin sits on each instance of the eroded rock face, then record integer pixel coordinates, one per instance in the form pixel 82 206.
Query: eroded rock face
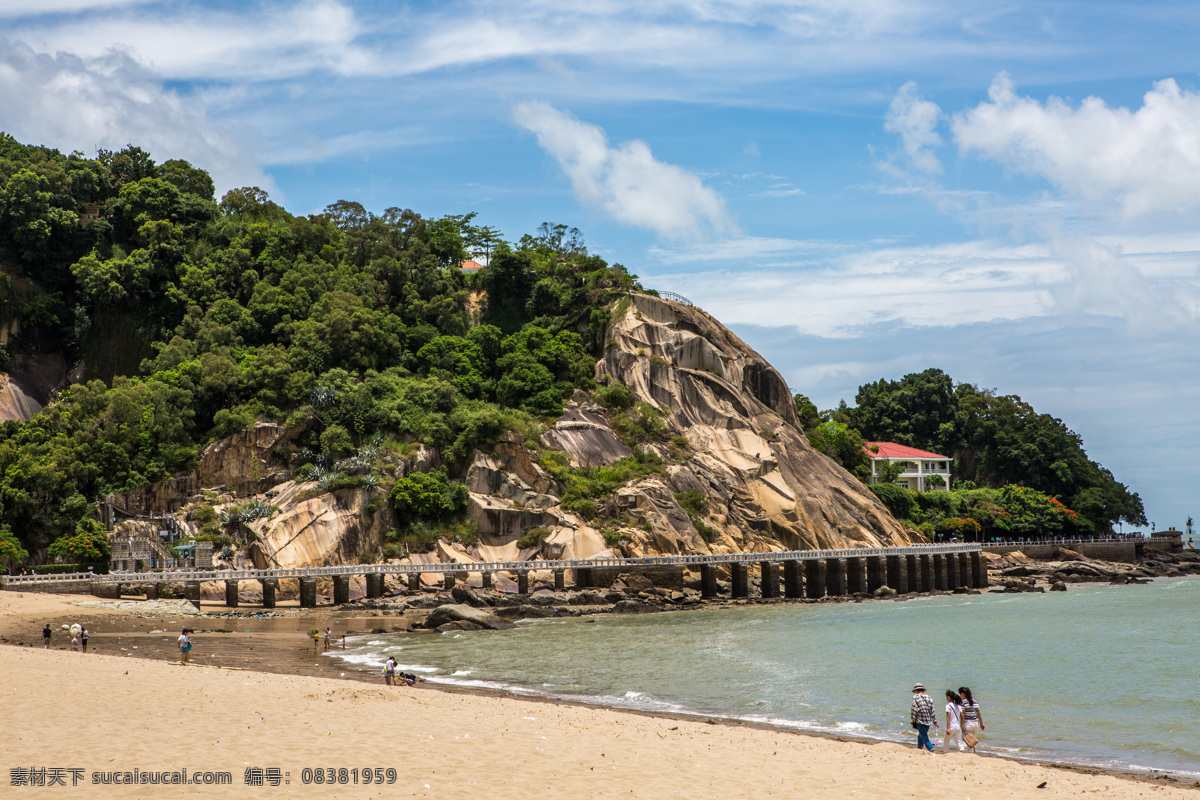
pixel 767 487
pixel 242 462
pixel 317 531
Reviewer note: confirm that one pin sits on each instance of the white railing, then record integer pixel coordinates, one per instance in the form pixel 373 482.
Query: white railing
pixel 179 576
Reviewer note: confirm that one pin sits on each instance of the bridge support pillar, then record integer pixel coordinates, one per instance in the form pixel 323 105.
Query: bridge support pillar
pixel 341 589
pixel 374 585
pixel 856 575
pixel 308 592
pixel 269 585
pixel 979 570
pixel 116 590
pixel 191 592
pixel 708 580
pixel 951 560
pixel 152 590
pixel 939 572
pixel 927 582
pixel 523 582
pixel 966 575
pixel 231 594
pixel 913 568
pixel 836 577
pixel 814 578
pixel 876 572
pixel 739 576
pixel 769 578
pixel 447 580
pixel 897 574
pixel 793 579
pixel 414 581
pixel 560 580
pixel 485 580
pixel 585 578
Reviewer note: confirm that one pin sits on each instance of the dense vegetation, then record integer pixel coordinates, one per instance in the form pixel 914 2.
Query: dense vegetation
pixel 196 317
pixel 1028 465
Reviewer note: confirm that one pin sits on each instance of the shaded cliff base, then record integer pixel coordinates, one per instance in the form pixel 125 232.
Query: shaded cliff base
pixel 309 705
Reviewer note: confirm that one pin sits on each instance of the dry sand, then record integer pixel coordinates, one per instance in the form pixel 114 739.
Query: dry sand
pixel 99 712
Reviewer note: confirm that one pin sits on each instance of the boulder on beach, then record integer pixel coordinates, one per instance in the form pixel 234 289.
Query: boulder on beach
pixel 1058 586
pixel 885 591
pixel 457 612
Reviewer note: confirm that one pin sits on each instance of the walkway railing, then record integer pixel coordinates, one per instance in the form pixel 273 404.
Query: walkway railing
pixel 1116 538
pixel 176 576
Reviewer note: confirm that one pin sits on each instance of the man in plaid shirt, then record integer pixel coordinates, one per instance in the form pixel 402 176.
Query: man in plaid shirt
pixel 922 716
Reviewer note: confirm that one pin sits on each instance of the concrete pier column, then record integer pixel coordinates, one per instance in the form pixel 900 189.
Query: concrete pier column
pixel 966 576
pixel 485 580
pixel 793 579
pixel 769 571
pixel 116 588
pixel 927 581
pixel 231 594
pixel 952 582
pixel 856 575
pixel 739 575
pixel 447 580
pixel 939 572
pixel 979 570
pixel 308 592
pixel 191 592
pixel 835 577
pixel 374 585
pixel 897 574
pixel 523 582
pixel 814 578
pixel 585 578
pixel 913 567
pixel 269 585
pixel 414 581
pixel 560 580
pixel 708 580
pixel 341 589
pixel 876 572
pixel 152 590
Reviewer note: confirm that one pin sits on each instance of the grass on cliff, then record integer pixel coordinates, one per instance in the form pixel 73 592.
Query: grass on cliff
pixel 583 487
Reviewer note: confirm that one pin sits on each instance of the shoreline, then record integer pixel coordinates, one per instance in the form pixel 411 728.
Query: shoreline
pixel 280 648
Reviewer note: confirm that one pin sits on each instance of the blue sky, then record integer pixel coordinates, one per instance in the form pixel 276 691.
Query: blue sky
pixel 1008 192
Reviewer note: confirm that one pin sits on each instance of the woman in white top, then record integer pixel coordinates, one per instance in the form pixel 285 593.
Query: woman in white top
pixel 953 735
pixel 972 717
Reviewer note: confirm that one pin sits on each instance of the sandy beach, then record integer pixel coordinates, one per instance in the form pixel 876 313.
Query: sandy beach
pixel 107 713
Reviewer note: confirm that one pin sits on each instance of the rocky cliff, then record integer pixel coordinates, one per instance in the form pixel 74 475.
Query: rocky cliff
pixel 733 470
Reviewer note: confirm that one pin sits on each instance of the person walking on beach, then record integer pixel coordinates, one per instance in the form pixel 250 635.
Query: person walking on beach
pixel 389 671
pixel 328 636
pixel 84 638
pixel 922 716
pixel 953 737
pixel 46 634
pixel 972 718
pixel 185 647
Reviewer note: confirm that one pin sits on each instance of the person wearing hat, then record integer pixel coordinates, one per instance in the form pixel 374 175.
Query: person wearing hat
pixel 922 716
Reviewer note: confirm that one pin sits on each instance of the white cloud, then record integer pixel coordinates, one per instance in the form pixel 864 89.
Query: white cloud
pixel 1147 160
pixel 627 182
pixel 914 119
pixel 72 103
pixel 23 8
pixel 829 289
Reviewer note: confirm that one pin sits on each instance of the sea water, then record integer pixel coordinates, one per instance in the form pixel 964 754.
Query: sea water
pixel 1101 675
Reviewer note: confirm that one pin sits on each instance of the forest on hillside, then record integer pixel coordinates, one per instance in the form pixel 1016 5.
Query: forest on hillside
pixel 196 317
pixel 1015 472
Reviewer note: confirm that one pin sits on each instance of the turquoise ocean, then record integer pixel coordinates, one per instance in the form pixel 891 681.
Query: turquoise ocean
pixel 1099 675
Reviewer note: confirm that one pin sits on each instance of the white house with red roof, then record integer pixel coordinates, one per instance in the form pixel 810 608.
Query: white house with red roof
pixel 919 466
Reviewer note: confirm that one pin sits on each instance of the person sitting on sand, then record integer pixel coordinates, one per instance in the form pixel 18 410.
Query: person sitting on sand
pixel 972 718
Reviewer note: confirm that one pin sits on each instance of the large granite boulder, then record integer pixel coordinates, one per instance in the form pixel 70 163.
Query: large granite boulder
pixel 458 612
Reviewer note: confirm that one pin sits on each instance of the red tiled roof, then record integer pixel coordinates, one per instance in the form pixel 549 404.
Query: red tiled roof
pixel 893 450
pixel 470 265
